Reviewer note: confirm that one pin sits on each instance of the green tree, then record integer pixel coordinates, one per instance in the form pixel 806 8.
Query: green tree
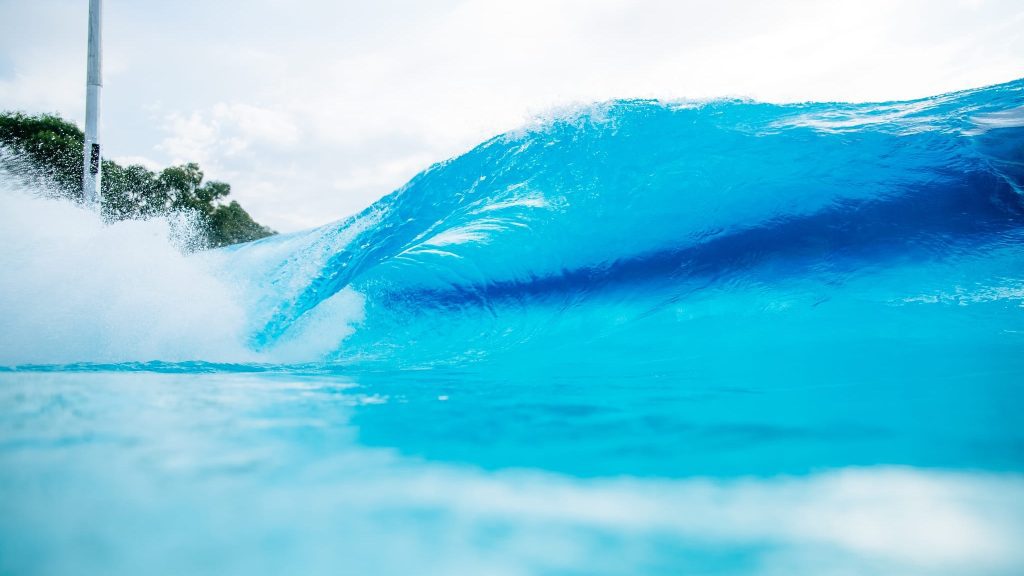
pixel 50 145
pixel 231 224
pixel 51 148
pixel 131 192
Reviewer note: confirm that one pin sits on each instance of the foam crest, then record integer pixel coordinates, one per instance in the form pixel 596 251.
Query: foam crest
pixel 74 289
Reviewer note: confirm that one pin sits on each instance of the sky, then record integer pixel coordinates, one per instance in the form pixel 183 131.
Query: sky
pixel 313 109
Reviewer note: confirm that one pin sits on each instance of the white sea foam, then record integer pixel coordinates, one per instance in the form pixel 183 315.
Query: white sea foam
pixel 1012 118
pixel 74 289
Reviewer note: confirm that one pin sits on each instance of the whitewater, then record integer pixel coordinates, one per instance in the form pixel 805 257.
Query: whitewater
pixel 715 337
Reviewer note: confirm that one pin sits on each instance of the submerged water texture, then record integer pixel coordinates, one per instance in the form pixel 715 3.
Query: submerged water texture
pixel 722 337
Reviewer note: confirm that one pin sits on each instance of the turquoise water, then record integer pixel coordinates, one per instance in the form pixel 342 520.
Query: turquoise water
pixel 643 337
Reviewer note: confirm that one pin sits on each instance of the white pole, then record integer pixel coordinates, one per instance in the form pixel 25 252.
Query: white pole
pixel 91 175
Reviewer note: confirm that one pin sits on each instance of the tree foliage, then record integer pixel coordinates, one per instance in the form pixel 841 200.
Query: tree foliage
pixel 52 147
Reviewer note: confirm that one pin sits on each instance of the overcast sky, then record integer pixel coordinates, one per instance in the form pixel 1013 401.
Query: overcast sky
pixel 312 109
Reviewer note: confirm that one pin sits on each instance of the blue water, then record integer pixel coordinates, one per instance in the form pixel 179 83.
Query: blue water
pixel 643 337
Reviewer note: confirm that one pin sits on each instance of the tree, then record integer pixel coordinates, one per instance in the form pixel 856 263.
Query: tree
pixel 51 148
pixel 49 144
pixel 231 224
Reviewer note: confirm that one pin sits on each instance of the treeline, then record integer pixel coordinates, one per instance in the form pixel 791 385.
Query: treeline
pixel 48 146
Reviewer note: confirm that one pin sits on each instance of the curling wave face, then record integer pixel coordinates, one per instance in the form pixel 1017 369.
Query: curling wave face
pixel 657 225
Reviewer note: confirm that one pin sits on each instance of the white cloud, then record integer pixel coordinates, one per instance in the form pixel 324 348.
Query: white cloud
pixel 190 138
pixel 255 124
pixel 225 130
pixel 143 161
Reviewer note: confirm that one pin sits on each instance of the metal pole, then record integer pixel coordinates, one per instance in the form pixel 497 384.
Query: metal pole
pixel 91 176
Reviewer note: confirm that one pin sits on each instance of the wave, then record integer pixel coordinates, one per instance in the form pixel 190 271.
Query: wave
pixel 637 232
pixel 621 211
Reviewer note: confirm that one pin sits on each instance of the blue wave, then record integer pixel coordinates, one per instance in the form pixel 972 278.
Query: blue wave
pixel 593 223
